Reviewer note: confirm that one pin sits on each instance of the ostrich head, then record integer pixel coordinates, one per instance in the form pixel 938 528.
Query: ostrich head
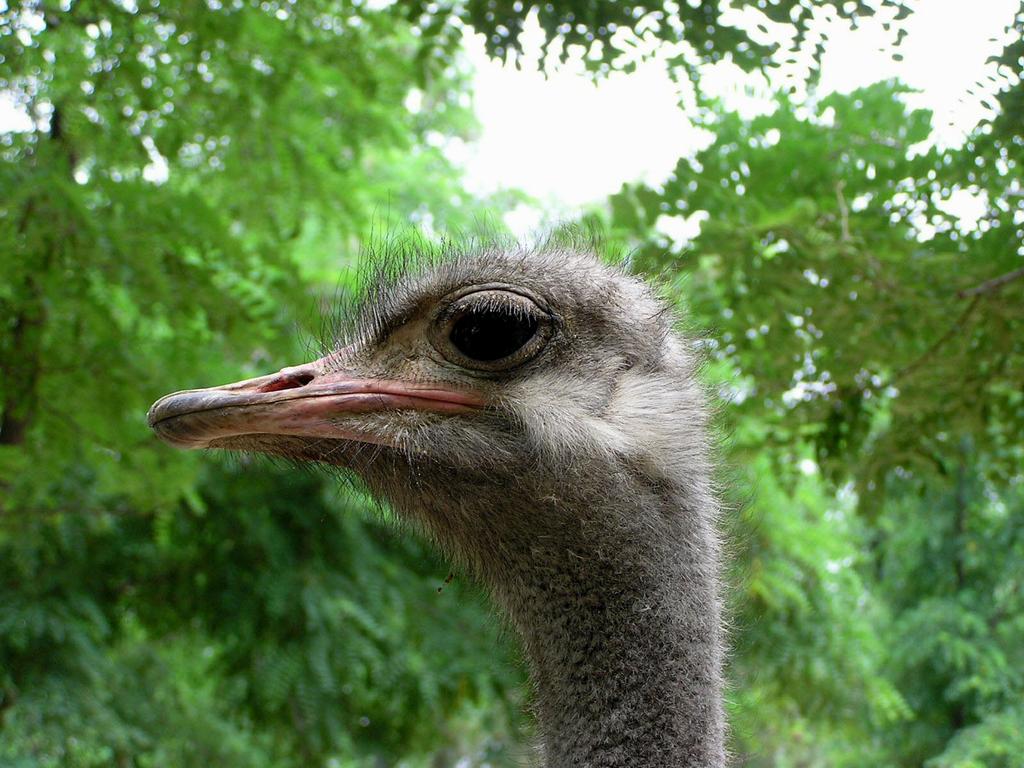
pixel 534 413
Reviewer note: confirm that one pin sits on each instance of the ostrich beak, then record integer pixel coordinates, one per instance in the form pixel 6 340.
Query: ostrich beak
pixel 304 401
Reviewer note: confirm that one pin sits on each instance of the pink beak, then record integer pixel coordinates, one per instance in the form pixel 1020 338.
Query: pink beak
pixel 304 400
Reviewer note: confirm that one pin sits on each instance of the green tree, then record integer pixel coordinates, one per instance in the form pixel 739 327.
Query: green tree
pixel 845 298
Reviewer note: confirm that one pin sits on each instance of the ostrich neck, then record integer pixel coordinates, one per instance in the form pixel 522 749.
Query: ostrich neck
pixel 623 639
pixel 614 593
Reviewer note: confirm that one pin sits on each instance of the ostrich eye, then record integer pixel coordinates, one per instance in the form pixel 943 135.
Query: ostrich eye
pixel 492 333
pixel 491 329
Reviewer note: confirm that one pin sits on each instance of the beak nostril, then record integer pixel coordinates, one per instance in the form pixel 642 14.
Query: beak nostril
pixel 288 381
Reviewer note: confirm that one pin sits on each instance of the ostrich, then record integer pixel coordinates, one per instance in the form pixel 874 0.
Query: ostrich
pixel 532 412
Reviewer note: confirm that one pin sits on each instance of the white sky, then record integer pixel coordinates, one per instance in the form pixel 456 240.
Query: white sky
pixel 569 143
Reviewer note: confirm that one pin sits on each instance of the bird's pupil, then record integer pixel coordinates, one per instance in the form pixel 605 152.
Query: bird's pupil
pixel 491 334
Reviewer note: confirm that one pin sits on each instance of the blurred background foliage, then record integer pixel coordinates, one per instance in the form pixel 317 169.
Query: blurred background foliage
pixel 199 175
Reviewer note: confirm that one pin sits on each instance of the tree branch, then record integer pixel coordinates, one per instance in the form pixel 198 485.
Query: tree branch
pixel 990 286
pixel 953 329
pixel 844 212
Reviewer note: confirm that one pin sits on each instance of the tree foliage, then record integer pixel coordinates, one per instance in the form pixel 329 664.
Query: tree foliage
pixel 609 32
pixel 840 288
